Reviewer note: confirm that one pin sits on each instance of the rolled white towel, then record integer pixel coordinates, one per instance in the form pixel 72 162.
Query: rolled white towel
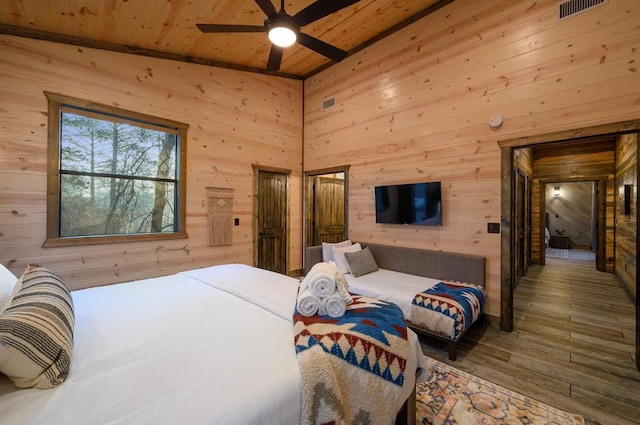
pixel 333 305
pixel 321 280
pixel 307 303
pixel 342 286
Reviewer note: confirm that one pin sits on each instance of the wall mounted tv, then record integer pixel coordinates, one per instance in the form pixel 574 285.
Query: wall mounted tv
pixel 414 203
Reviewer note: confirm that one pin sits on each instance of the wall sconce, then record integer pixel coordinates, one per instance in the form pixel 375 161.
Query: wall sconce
pixel 556 191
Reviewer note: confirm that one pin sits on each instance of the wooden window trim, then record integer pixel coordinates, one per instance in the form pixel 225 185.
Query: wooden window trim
pixel 55 103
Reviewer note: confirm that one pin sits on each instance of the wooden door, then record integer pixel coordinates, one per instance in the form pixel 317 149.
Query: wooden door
pixel 636 199
pixel 520 224
pixel 271 220
pixel 328 220
pixel 600 227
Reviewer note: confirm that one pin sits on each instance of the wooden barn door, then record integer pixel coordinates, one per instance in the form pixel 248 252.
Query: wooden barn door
pixel 328 193
pixel 271 206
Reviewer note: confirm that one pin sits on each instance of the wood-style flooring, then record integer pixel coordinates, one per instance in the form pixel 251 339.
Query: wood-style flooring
pixel 573 346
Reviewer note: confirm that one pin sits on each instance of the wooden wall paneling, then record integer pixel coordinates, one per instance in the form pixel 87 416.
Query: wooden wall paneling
pixel 626 236
pixel 637 205
pixel 415 107
pixel 570 213
pixel 235 119
pixel 506 264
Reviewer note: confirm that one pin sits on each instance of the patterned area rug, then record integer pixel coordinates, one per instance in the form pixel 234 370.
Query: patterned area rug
pixel 452 396
pixel 557 253
pixel 571 254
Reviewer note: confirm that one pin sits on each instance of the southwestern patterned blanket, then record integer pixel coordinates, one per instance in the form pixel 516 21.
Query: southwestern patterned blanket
pixel 449 307
pixel 353 366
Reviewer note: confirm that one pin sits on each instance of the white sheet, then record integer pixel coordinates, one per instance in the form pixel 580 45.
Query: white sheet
pixel 173 350
pixel 272 291
pixel 387 285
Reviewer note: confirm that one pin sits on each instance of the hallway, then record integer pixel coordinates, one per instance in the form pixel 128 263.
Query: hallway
pixel 573 346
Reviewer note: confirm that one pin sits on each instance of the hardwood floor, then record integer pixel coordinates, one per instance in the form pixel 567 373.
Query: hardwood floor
pixel 573 346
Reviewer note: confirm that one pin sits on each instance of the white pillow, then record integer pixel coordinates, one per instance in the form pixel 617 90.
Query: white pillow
pixel 339 258
pixel 7 283
pixel 327 249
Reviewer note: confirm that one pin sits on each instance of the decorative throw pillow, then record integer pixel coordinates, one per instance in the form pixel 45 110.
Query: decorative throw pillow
pixel 7 283
pixel 338 256
pixel 361 262
pixel 327 249
pixel 36 331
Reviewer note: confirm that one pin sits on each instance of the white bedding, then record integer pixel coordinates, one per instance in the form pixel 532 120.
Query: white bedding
pixel 174 350
pixel 387 285
pixel 400 289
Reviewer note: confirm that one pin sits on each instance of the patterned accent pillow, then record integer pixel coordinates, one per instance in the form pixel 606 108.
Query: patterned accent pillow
pixel 361 262
pixel 36 331
pixel 341 261
pixel 327 249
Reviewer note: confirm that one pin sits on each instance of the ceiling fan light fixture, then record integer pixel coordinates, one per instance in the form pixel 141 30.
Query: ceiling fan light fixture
pixel 281 35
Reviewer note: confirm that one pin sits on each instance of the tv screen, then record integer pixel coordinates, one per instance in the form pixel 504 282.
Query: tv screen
pixel 415 203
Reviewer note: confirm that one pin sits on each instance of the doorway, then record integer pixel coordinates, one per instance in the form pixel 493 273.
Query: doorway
pixel 508 219
pixel 271 212
pixel 326 205
pixel 575 214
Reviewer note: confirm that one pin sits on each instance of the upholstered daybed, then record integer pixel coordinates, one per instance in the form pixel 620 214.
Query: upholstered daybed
pixel 430 266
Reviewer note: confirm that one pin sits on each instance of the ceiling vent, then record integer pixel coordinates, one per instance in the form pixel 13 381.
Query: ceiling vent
pixel 328 103
pixel 569 8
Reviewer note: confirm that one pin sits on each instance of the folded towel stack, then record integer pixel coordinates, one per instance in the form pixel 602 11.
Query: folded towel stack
pixel 323 291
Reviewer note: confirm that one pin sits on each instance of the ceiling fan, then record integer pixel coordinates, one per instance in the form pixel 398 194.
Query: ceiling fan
pixel 284 30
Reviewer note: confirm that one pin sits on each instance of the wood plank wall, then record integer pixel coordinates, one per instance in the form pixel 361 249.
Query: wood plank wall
pixel 625 239
pixel 235 119
pixel 415 107
pixel 570 213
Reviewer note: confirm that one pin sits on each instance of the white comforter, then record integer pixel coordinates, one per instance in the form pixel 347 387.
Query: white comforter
pixel 398 288
pixel 172 350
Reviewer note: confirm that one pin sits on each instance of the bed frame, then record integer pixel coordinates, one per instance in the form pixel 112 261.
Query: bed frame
pixel 425 263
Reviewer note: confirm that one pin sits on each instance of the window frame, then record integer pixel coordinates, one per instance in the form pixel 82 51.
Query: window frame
pixel 56 104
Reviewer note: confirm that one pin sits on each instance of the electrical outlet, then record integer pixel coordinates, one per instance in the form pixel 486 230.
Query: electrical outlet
pixel 493 227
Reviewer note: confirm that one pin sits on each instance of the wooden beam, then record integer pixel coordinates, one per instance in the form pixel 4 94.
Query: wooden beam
pixel 598 130
pixel 134 50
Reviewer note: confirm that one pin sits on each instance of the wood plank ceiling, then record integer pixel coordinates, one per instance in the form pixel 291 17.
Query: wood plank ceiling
pixel 166 28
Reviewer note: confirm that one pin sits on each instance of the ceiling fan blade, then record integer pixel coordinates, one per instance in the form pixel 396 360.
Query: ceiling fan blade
pixel 275 57
pixel 230 28
pixel 267 7
pixel 320 9
pixel 321 47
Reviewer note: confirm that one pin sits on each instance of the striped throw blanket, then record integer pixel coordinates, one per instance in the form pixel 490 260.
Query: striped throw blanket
pixel 448 307
pixel 353 366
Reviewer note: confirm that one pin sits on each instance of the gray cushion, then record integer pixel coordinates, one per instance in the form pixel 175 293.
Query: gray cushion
pixel 361 262
pixel 36 331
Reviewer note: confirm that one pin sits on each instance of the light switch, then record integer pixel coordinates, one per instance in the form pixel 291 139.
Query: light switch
pixel 493 227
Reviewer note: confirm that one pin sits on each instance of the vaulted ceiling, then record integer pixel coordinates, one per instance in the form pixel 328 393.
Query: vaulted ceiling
pixel 166 28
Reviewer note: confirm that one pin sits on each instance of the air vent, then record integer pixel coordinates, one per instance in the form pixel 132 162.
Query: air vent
pixel 569 8
pixel 328 103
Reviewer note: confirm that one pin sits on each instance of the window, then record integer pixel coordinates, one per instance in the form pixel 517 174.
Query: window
pixel 113 175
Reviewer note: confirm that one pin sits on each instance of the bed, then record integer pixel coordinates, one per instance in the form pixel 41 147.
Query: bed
pixel 403 276
pixel 197 347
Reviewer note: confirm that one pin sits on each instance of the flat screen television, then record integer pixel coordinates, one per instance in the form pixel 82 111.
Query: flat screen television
pixel 414 203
